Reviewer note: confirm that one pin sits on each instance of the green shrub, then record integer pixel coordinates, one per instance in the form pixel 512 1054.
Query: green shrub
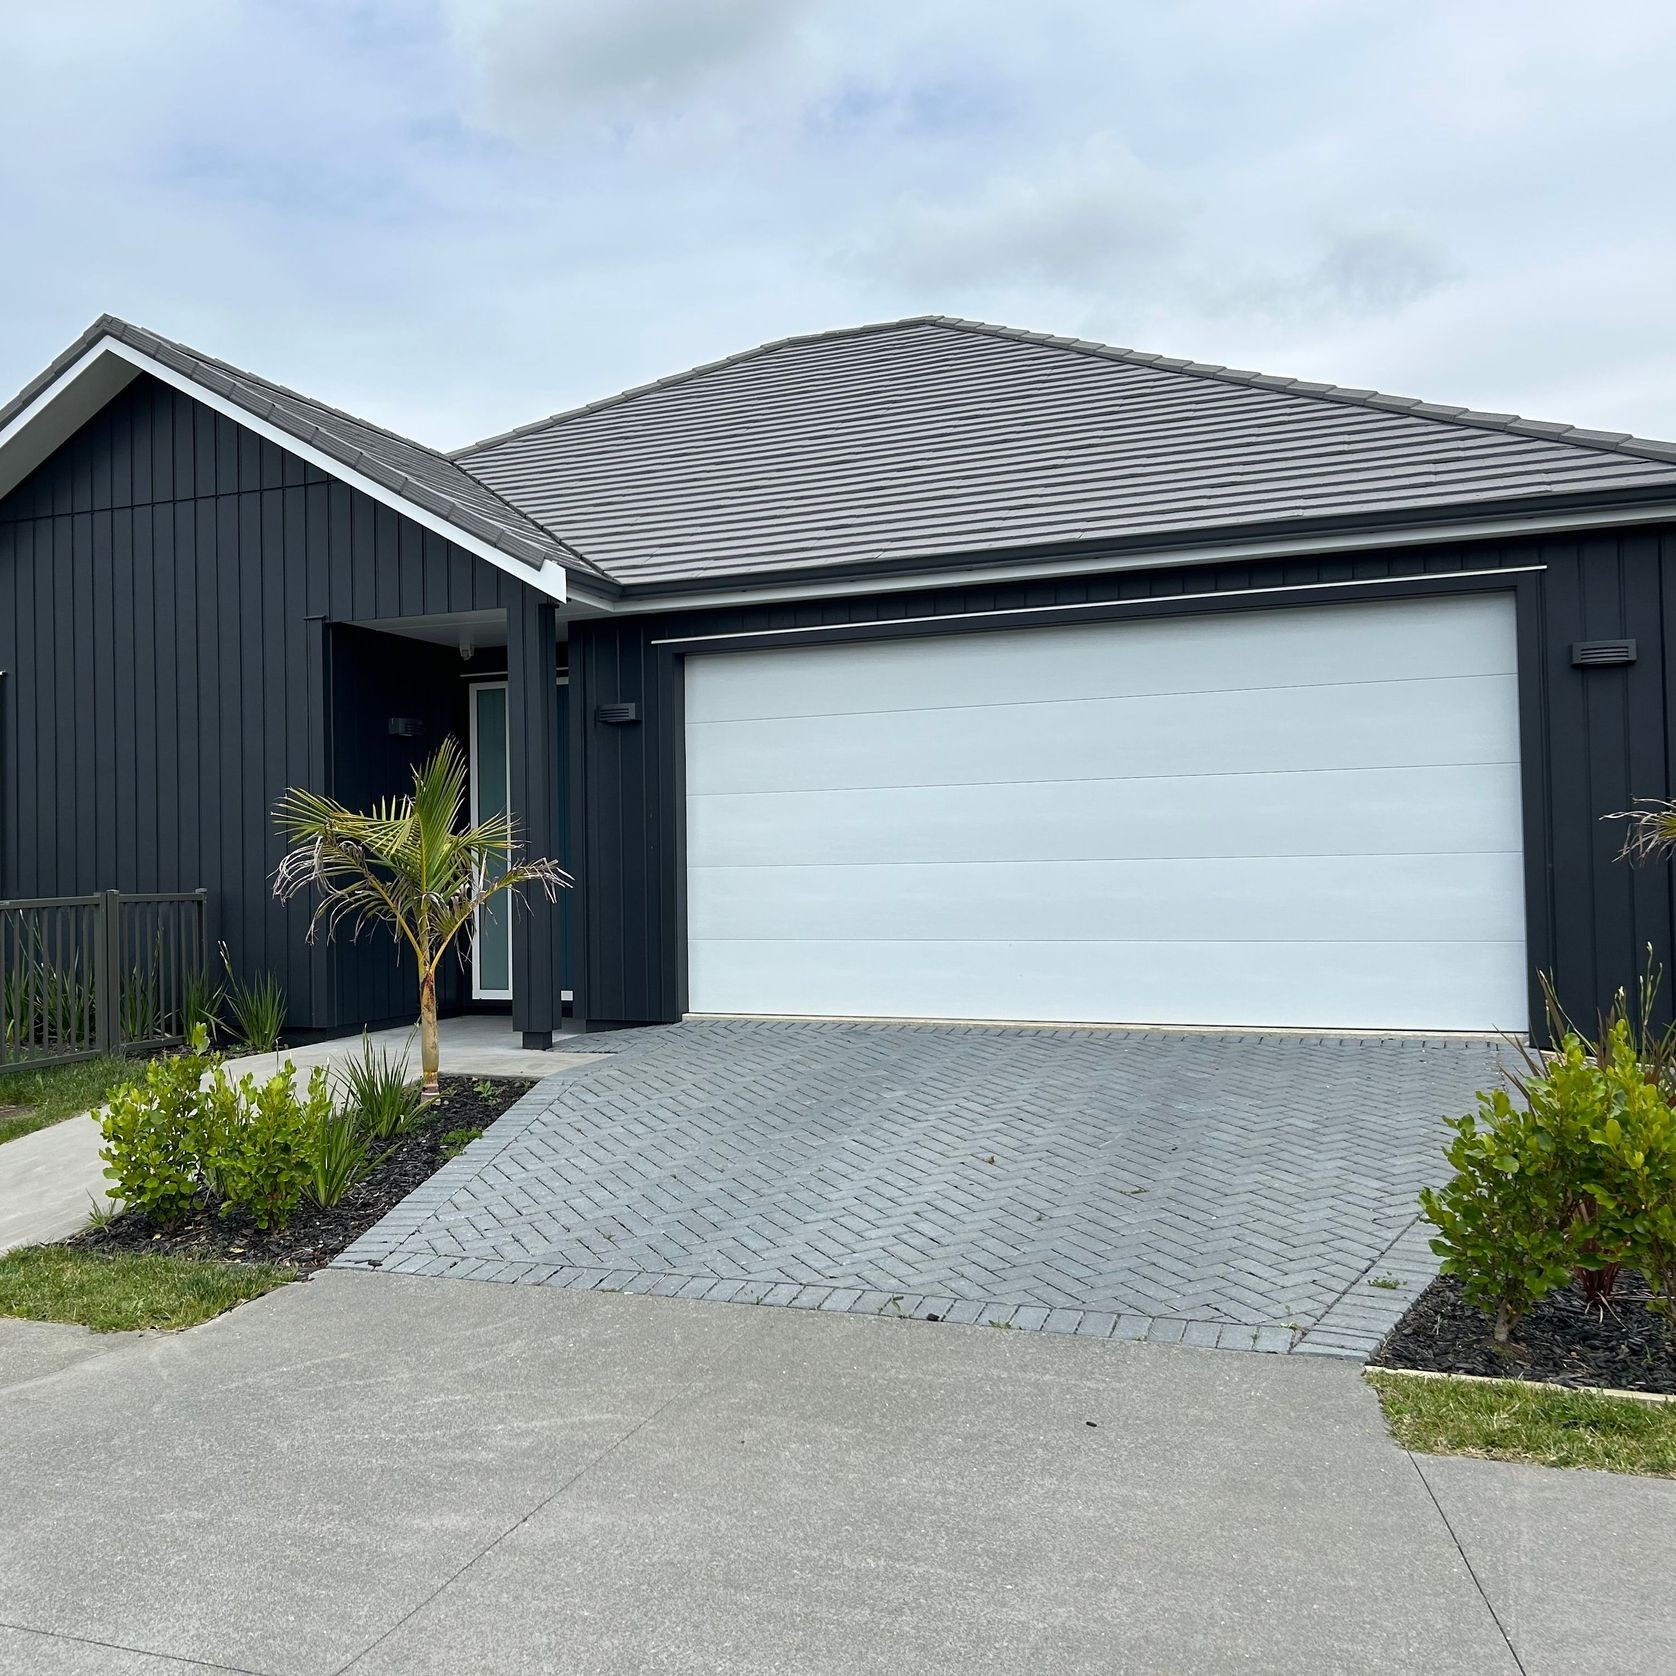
pixel 216 1119
pixel 186 1129
pixel 263 1143
pixel 1629 1180
pixel 1502 1221
pixel 1580 1178
pixel 151 1131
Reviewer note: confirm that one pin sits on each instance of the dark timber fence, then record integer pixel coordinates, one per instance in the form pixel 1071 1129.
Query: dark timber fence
pixel 107 973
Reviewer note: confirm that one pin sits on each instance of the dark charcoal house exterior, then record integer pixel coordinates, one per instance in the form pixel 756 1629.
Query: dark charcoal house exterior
pixel 927 670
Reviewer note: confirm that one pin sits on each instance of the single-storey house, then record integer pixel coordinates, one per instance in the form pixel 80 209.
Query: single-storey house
pixel 925 670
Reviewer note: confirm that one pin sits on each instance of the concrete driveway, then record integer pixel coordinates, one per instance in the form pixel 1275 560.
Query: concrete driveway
pixel 371 1474
pixel 1242 1191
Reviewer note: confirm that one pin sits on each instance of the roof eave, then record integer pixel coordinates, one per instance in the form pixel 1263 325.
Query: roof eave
pixel 1483 520
pixel 101 364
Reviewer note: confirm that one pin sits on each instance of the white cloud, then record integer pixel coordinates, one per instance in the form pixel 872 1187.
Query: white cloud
pixel 459 214
pixel 1086 218
pixel 544 69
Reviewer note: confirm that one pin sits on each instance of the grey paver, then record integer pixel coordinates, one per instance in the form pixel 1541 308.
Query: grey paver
pixel 1235 1191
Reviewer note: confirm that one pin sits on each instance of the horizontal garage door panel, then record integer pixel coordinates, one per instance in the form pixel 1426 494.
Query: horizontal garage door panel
pixel 1298 816
pixel 1328 645
pixel 1392 811
pixel 1275 899
pixel 1265 730
pixel 1350 986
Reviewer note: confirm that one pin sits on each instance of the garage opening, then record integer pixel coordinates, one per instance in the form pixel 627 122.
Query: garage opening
pixel 1287 817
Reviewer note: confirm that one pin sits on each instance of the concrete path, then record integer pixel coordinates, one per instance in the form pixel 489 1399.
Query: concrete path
pixel 372 1474
pixel 474 1045
pixel 1251 1191
pixel 32 1349
pixel 50 1180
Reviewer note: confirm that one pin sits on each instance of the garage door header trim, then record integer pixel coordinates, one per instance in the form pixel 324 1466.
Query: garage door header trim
pixel 1436 581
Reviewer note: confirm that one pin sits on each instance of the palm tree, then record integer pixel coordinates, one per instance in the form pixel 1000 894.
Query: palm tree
pixel 410 865
pixel 1650 830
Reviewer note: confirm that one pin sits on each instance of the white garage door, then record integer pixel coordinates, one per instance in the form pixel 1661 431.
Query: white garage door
pixel 1290 817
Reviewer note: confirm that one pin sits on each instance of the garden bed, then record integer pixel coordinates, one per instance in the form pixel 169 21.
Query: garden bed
pixel 313 1237
pixel 1564 1340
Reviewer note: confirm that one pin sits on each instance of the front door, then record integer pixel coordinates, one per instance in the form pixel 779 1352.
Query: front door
pixel 491 966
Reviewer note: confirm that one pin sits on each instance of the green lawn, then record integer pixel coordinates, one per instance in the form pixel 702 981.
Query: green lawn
pixel 1503 1420
pixel 120 1292
pixel 59 1091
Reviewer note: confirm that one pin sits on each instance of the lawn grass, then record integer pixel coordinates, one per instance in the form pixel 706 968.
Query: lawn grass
pixel 56 1092
pixel 113 1292
pixel 1502 1420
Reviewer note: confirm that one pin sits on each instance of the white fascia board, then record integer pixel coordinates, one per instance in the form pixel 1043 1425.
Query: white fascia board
pixel 89 382
pixel 1105 607
pixel 59 411
pixel 1231 552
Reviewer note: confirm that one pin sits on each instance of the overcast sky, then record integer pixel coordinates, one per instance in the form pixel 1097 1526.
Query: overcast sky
pixel 457 215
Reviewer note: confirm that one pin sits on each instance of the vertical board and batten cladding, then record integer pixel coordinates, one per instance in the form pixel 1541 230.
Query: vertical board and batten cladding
pixel 162 583
pixel 1593 739
pixel 627 798
pixel 534 759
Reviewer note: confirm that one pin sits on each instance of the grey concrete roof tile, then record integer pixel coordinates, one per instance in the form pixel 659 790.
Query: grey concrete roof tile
pixel 934 438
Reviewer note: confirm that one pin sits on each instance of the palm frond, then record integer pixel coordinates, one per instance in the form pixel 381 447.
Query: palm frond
pixel 1649 829
pixel 407 864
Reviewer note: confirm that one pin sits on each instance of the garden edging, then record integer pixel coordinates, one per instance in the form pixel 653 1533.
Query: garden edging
pixel 1653 1399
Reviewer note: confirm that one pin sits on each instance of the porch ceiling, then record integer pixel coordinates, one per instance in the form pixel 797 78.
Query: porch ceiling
pixel 452 628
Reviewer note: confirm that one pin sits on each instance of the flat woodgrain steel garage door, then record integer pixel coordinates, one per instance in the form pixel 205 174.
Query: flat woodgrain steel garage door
pixel 1299 816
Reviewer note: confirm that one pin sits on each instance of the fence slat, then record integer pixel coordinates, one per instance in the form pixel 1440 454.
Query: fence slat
pixel 82 975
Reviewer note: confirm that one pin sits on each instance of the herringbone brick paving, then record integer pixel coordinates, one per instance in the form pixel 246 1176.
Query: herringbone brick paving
pixel 1237 1190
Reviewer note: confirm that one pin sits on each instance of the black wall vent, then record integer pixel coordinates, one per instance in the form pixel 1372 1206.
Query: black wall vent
pixel 616 714
pixel 1592 654
pixel 405 727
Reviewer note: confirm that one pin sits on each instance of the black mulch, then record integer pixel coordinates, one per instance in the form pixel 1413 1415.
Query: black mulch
pixel 1565 1340
pixel 312 1238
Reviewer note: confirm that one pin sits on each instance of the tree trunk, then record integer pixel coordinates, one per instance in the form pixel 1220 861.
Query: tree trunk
pixel 1504 1320
pixel 429 1054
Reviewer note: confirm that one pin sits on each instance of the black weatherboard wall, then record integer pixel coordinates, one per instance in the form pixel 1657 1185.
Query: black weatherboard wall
pixel 1593 738
pixel 170 586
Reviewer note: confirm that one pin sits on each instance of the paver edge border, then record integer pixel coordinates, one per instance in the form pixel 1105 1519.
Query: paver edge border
pixel 1115 1326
